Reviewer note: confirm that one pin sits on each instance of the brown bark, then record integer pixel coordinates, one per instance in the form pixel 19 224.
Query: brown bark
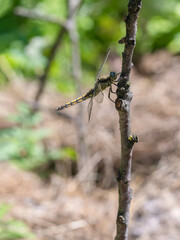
pixel 124 97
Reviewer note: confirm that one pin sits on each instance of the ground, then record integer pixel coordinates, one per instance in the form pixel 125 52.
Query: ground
pixel 64 208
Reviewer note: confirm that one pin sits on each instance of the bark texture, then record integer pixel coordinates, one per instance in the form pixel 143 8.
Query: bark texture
pixel 124 97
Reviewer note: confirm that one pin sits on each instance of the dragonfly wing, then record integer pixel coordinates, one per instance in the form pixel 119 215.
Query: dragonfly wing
pixel 99 98
pixel 100 69
pixel 100 95
pixel 90 105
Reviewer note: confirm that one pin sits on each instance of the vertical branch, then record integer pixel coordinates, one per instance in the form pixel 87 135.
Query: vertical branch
pixel 32 14
pixel 124 97
pixel 64 25
pixel 77 75
pixel 43 77
pixel 73 34
pixel 68 25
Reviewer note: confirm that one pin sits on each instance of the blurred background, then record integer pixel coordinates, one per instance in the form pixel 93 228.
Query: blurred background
pixel 57 174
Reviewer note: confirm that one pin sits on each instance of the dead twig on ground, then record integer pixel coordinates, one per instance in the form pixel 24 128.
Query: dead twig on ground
pixel 57 229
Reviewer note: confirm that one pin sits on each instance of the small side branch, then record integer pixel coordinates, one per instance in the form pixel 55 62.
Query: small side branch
pixel 36 15
pixel 54 48
pixel 124 97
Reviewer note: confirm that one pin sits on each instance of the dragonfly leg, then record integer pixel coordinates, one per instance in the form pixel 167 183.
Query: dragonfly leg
pixel 109 94
pixel 114 84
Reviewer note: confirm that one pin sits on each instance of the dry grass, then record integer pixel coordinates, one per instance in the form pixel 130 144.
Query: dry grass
pixel 60 209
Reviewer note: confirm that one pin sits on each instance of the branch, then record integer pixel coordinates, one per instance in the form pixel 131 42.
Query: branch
pixel 88 167
pixel 124 97
pixel 54 48
pixel 77 75
pixel 74 7
pixel 34 14
pixel 66 25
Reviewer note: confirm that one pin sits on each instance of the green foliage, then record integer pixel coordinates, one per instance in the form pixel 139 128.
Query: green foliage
pixel 25 43
pixel 23 144
pixel 11 229
pixel 159 26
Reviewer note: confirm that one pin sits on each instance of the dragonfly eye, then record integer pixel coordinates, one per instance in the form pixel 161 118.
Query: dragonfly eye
pixel 113 75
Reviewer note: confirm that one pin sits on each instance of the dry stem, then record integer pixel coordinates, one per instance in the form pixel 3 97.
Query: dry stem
pixel 124 97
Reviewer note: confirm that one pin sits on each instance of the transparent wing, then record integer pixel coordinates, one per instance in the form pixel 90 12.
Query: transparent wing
pixel 89 109
pixel 100 69
pixel 100 96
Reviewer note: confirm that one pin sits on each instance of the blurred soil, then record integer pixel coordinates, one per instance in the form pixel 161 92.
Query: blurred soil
pixel 63 209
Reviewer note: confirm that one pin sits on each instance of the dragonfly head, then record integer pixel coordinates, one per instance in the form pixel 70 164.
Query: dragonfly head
pixel 113 75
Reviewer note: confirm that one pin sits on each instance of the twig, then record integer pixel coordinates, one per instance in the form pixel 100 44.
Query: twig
pixel 43 77
pixel 89 167
pixel 34 14
pixel 28 13
pixel 77 75
pixel 124 97
pixel 57 229
pixel 66 25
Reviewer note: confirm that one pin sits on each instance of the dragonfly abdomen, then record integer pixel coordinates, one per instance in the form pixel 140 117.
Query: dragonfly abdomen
pixel 72 103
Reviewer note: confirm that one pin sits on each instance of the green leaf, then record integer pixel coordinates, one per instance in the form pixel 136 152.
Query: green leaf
pixel 4 208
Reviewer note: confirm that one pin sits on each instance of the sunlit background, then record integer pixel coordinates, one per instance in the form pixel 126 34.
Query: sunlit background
pixel 57 175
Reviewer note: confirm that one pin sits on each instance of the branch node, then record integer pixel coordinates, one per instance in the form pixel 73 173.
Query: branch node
pixel 127 182
pixel 121 219
pixel 118 176
pixel 134 7
pixel 132 139
pixel 123 84
pixel 122 40
pixel 120 104
pixel 131 41
pixel 125 18
pixel 124 93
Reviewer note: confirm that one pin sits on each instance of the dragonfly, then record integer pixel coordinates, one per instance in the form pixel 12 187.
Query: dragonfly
pixel 101 83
